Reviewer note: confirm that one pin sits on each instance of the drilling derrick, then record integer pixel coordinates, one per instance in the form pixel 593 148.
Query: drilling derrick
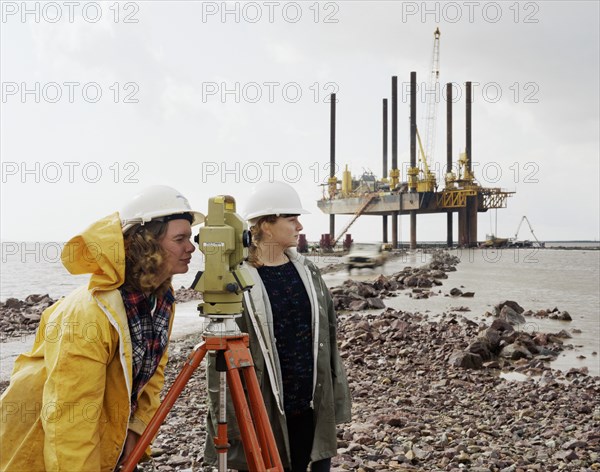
pixel 432 99
pixel 421 178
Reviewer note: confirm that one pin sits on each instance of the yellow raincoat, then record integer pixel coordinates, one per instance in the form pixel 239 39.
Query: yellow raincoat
pixel 67 406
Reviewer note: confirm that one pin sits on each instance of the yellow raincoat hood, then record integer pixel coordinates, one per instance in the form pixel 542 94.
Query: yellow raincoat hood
pixel 99 250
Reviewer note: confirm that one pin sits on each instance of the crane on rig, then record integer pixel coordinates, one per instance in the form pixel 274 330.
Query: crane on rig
pixel 515 242
pixel 427 183
pixel 432 97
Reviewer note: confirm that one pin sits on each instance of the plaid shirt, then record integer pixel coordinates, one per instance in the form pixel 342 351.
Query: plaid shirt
pixel 149 335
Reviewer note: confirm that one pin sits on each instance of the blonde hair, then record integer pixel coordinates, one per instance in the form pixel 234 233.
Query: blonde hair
pixel 145 258
pixel 257 236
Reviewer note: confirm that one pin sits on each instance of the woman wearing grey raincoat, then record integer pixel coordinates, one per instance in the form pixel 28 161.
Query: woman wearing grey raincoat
pixel 291 323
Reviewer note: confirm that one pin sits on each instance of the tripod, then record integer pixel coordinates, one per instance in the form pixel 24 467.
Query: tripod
pixel 233 355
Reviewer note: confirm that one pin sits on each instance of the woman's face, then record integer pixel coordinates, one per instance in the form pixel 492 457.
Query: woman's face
pixel 178 247
pixel 284 231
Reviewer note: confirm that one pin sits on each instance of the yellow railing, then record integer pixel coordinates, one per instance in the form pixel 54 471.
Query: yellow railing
pixel 455 198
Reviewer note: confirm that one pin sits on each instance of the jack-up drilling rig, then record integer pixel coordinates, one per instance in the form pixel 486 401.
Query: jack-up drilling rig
pixel 419 194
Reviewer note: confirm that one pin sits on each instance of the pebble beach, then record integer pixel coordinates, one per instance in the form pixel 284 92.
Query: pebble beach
pixel 431 392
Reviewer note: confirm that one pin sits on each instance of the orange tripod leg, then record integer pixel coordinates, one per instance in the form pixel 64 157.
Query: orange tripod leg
pixel 163 410
pixel 252 448
pixel 263 425
pixel 259 443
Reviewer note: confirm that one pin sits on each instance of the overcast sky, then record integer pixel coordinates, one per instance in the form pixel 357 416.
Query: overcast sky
pixel 102 99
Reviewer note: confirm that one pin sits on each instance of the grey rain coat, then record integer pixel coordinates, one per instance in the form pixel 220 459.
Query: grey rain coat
pixel 331 395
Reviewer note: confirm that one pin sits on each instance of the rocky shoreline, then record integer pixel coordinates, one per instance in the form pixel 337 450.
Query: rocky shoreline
pixel 430 392
pixel 21 317
pixel 416 408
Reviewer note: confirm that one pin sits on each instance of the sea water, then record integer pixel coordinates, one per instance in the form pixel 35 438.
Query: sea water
pixel 535 278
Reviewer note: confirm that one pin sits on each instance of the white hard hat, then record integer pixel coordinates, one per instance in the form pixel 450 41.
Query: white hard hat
pixel 272 198
pixel 154 202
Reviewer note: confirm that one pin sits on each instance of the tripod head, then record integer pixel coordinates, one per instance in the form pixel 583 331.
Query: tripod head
pixel 224 241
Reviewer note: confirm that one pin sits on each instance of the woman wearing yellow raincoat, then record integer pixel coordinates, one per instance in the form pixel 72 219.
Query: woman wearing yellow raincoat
pixel 81 397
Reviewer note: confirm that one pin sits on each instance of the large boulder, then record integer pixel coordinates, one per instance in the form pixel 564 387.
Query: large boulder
pixel 411 281
pixel 507 313
pixel 37 298
pixel 481 346
pixel 424 281
pixel 366 291
pixel 358 305
pixel 493 337
pixel 502 326
pixel 375 303
pixel 510 303
pixel 466 360
pixel 341 302
pixel 13 303
pixel 528 342
pixel 515 351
